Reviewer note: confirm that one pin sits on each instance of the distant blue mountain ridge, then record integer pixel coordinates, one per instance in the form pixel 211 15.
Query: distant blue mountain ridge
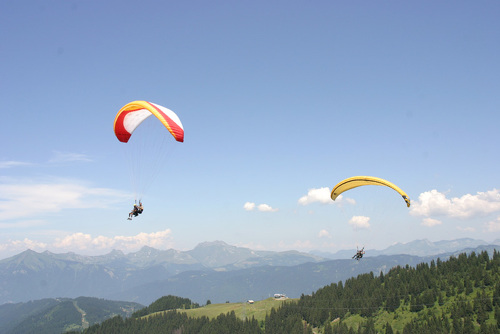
pixel 423 247
pixel 212 270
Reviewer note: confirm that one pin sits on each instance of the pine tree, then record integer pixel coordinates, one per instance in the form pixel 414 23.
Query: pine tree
pixel 468 325
pixel 388 328
pixel 457 326
pixel 370 326
pixel 496 295
pixel 497 315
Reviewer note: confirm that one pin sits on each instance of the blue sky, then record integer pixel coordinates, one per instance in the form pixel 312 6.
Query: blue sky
pixel 280 100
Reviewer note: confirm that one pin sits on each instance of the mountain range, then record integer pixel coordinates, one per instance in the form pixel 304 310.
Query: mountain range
pixel 212 271
pixel 421 247
pixel 31 275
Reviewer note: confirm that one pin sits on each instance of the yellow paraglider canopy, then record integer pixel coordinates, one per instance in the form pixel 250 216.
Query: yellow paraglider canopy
pixel 358 181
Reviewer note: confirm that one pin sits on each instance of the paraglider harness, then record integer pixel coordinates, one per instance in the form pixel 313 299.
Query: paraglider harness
pixel 359 253
pixel 137 210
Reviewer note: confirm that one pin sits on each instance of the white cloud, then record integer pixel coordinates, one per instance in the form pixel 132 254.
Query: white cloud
pixel 360 222
pixel 431 222
pixel 25 200
pixel 266 208
pixel 74 241
pixel 17 246
pixel 30 244
pixel 156 239
pixel 102 242
pixel 61 157
pixel 324 234
pixel 434 203
pixel 10 164
pixel 249 206
pixel 321 195
pixel 493 226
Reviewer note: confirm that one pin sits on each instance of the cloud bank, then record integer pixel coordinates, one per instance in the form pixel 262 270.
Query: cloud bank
pixel 93 245
pixel 435 203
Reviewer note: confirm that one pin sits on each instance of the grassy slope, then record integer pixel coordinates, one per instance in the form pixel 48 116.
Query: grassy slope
pixel 258 309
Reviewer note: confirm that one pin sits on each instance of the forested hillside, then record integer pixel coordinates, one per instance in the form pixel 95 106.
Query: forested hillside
pixel 460 295
pixel 60 315
pixel 166 303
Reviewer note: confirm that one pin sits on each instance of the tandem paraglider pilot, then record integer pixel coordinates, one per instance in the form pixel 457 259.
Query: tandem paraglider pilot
pixel 359 254
pixel 137 210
